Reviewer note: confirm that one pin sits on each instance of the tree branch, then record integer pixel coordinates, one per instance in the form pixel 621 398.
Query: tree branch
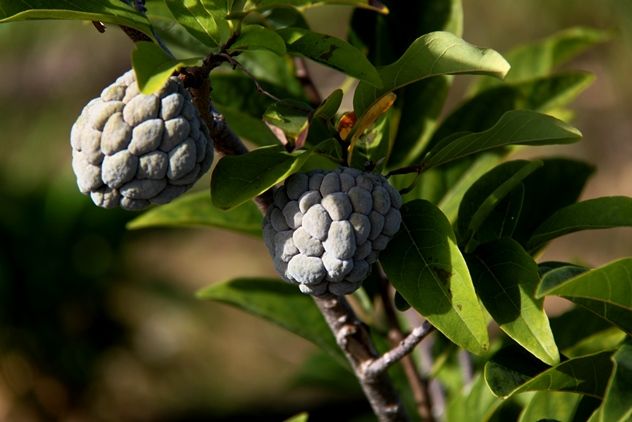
pixel 398 352
pixel 353 339
pixel 418 385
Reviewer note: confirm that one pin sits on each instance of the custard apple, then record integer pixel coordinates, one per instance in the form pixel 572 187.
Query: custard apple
pixel 326 228
pixel 133 150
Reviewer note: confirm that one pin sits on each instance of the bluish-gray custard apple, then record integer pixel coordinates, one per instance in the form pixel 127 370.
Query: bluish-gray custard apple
pixel 326 228
pixel 133 150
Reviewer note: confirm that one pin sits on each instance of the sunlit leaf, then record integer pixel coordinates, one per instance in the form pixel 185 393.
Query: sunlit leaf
pixel 196 210
pixel 208 26
pixel 427 269
pixel 256 37
pixel 519 127
pixel 153 67
pixel 436 53
pixel 106 11
pixel 617 402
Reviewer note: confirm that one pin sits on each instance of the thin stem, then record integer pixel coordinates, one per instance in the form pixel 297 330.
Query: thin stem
pixel 241 67
pixel 398 352
pixel 418 385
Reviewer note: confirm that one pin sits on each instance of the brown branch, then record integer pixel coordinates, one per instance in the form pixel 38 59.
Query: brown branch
pixel 418 385
pixel 416 168
pixel 398 352
pixel 353 339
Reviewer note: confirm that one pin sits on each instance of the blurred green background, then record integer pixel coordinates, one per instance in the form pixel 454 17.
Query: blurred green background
pixel 97 323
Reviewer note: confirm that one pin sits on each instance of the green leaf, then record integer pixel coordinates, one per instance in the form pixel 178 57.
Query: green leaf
pixel 280 303
pixel 195 209
pixel 617 402
pixel 256 37
pixel 238 178
pixel 541 57
pixel 301 417
pixel 555 405
pixel 436 53
pixel 292 117
pixel 153 67
pixel 478 404
pixel 518 127
pixel 106 11
pixel 177 38
pixel 508 374
pixel 248 127
pixel 614 314
pixel 205 24
pixel 611 283
pixel 607 339
pixel 599 213
pixel 329 107
pixel 556 184
pixel 386 38
pixel 452 197
pixel 428 270
pixel 486 193
pixel 330 51
pixel 483 110
pixel 505 278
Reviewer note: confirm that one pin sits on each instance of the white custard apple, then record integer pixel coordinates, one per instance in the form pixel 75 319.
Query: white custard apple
pixel 133 150
pixel 326 228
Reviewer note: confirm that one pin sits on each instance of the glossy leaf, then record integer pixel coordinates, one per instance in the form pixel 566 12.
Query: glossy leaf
pixel 256 37
pixel 238 178
pixel 611 283
pixel 208 26
pixel 195 209
pixel 599 213
pixel 280 303
pixel 617 402
pixel 505 278
pixel 553 405
pixel 541 57
pixel 506 376
pixel 330 51
pixel 436 53
pixel 519 127
pixel 428 270
pixel 176 37
pixel 153 67
pixel 484 109
pixel 616 315
pixel 485 194
pixel 106 11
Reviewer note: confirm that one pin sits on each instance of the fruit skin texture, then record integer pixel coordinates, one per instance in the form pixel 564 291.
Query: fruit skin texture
pixel 132 150
pixel 326 228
